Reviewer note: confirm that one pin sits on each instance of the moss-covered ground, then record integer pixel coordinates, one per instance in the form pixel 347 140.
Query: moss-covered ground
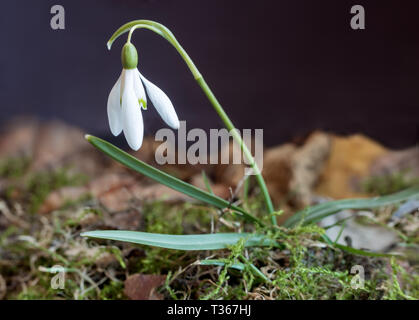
pixel 301 267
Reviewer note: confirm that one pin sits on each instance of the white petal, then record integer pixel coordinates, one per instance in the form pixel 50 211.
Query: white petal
pixel 139 88
pixel 162 103
pixel 114 108
pixel 132 118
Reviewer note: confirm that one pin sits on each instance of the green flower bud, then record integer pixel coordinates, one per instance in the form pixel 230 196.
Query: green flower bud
pixel 129 56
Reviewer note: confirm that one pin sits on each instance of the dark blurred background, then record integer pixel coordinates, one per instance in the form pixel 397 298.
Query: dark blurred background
pixel 287 66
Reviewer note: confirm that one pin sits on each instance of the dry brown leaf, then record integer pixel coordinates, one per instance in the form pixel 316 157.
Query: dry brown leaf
pixel 397 161
pixel 277 170
pixel 349 162
pixel 110 182
pixel 143 286
pixel 157 192
pixel 18 138
pixel 58 198
pixel 219 189
pixel 307 164
pixel 126 220
pixel 55 141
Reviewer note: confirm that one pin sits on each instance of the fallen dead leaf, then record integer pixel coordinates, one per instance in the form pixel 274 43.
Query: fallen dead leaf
pixel 157 192
pixel 397 161
pixel 110 182
pixel 360 235
pixel 349 163
pixel 116 200
pixel 127 220
pixel 55 141
pixel 58 198
pixel 307 164
pixel 18 138
pixel 219 189
pixel 143 286
pixel 229 174
pixel 277 170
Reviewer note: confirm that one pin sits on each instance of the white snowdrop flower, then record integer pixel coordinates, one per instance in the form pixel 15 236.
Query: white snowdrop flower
pixel 128 97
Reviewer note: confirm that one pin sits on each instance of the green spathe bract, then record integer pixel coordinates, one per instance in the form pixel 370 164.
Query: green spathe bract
pixel 129 56
pixel 214 241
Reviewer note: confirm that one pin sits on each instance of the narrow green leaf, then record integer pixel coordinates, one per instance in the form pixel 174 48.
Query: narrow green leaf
pixel 212 241
pixel 364 252
pixel 246 189
pixel 322 210
pixel 221 263
pixel 166 179
pixel 206 182
pixel 255 270
pixel 238 266
pixel 340 232
pixel 356 251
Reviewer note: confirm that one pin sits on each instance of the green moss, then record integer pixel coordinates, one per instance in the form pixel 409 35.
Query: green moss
pixel 304 272
pixel 233 258
pixel 113 291
pixel 14 167
pixel 300 267
pixel 160 217
pixel 33 293
pixel 395 291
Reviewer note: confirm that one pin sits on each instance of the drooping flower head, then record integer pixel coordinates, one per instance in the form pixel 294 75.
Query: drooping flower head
pixel 128 97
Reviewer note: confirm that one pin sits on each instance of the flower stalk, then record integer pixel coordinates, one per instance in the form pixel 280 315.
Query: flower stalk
pixel 167 34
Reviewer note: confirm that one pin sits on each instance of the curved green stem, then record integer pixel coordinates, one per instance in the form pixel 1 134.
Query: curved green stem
pixel 168 35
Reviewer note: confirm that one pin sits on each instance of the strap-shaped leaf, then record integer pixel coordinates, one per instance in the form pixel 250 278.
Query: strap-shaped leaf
pixel 218 262
pixel 322 210
pixel 166 179
pixel 212 241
